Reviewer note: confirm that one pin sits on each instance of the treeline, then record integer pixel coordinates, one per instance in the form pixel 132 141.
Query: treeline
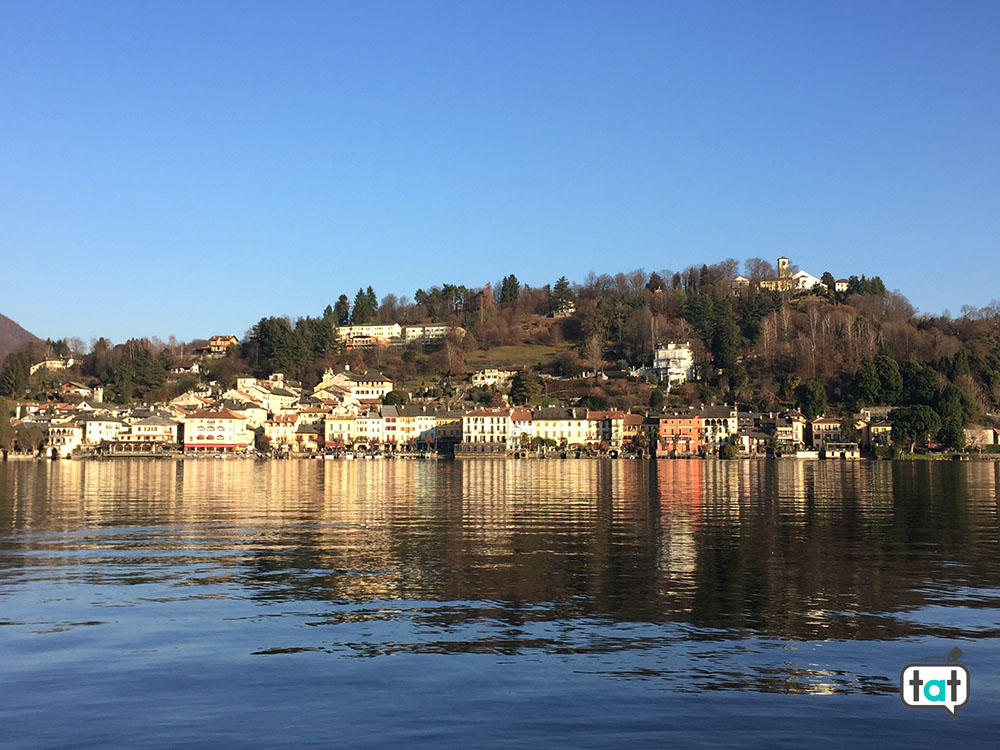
pixel 823 350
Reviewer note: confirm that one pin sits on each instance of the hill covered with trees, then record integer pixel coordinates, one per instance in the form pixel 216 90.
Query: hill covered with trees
pixel 820 350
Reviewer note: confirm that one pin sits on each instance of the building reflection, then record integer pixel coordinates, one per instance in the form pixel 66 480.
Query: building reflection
pixel 797 549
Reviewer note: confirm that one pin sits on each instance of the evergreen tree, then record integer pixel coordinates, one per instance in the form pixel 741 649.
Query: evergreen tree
pixel 372 303
pixel 811 398
pixel 280 348
pixel 867 386
pixel 525 387
pixel 656 400
pixel 342 310
pixel 913 424
pixel 562 295
pixel 510 290
pixel 725 336
pixel 920 384
pixel 700 314
pixel 14 377
pixel 952 435
pixel 362 313
pixel 890 379
pixel 955 405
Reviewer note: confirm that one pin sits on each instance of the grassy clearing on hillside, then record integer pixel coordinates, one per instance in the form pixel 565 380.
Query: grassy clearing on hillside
pixel 504 357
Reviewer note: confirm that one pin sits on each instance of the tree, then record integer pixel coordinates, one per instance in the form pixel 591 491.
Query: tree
pixel 849 430
pixel 363 311
pixel 14 377
pixel 656 400
pixel 867 385
pixel 30 438
pixel 372 302
pixel 811 398
pixel 920 384
pixel 593 353
pixel 725 336
pixel 396 398
pixel 829 282
pixel 342 310
pixel 952 435
pixel 525 387
pixel 890 379
pixel 510 290
pixel 913 424
pixel 595 400
pixel 562 295
pixel 279 347
pixel 6 431
pixel 955 406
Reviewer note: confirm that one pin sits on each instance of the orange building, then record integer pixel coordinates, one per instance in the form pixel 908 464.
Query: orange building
pixel 679 433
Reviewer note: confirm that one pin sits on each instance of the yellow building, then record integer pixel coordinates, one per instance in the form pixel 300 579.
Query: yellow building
pixel 566 427
pixel 340 430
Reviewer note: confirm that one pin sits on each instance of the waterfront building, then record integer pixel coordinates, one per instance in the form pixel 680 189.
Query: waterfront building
pixel 216 431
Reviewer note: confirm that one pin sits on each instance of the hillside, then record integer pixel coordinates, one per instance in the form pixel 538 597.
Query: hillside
pixel 13 337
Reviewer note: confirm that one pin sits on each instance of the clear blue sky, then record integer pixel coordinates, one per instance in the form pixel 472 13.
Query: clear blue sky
pixel 188 167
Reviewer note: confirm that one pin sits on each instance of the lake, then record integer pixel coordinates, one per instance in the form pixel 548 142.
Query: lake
pixel 493 603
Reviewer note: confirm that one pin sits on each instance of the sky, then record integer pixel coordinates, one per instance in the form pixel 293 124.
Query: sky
pixel 186 168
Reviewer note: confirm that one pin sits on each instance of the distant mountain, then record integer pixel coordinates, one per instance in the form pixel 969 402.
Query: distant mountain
pixel 13 337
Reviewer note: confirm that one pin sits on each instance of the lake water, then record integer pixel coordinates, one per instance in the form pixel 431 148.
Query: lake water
pixel 493 603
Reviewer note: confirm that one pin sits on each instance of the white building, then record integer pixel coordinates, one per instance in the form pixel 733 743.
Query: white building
pixel 379 331
pixel 216 431
pixel 430 332
pixel 491 377
pixel 487 426
pixel 673 362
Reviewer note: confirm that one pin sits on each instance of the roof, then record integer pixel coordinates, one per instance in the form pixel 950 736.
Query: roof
pixel 157 421
pixel 718 412
pixel 100 418
pixel 489 413
pixel 559 413
pixel 374 377
pixel 215 414
pixel 596 414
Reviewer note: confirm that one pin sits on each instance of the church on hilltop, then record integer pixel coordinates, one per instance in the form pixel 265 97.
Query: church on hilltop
pixel 785 281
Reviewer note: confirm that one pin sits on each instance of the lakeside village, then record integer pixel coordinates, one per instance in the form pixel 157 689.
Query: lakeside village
pixel 345 416
pixel 354 412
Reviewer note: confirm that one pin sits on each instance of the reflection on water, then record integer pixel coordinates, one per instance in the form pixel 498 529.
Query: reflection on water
pixel 702 576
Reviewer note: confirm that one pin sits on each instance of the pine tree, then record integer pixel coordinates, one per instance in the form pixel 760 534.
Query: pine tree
pixel 362 312
pixel 342 309
pixel 14 378
pixel 562 295
pixel 510 290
